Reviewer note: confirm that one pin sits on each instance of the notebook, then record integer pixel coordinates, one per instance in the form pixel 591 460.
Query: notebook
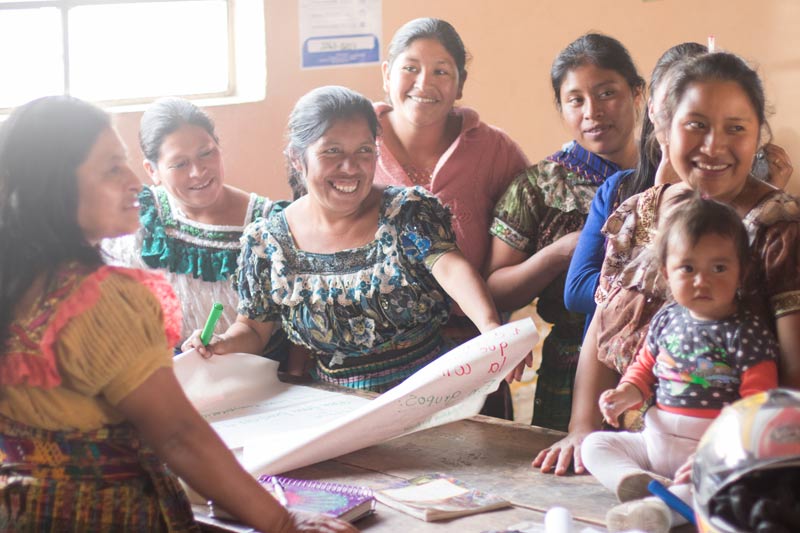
pixel 342 501
pixel 437 496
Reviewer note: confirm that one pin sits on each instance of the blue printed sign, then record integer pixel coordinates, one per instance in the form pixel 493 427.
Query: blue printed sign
pixel 339 32
pixel 341 50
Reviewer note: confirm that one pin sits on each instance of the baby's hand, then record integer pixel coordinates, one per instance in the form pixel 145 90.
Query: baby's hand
pixel 614 402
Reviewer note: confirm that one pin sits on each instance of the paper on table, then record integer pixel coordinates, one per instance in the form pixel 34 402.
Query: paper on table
pixel 282 427
pixel 240 395
pixel 449 388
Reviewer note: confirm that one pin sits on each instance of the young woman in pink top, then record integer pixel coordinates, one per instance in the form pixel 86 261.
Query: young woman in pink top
pixel 447 150
pixel 426 141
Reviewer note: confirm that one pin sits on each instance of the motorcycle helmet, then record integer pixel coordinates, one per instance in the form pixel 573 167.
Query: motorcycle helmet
pixel 746 472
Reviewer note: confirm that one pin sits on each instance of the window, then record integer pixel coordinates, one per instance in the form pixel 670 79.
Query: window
pixel 117 52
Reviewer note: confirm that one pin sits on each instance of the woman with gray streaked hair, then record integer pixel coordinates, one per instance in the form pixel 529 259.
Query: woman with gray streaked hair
pixel 359 275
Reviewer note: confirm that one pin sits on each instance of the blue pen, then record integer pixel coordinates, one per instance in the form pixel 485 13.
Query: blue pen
pixel 673 502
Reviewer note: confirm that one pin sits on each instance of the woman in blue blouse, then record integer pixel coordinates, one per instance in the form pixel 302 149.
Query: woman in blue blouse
pixel 360 275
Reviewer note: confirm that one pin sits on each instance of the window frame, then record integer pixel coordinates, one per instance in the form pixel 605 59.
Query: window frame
pixel 65 5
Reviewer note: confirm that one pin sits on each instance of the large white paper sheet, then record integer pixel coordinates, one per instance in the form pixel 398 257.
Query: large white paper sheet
pixel 298 426
pixel 240 396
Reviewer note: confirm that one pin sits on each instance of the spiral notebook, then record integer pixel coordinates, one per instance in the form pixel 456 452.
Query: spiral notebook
pixel 346 502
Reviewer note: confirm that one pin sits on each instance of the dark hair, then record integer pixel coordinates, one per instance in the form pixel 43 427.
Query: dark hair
pixel 693 217
pixel 599 50
pixel 163 117
pixel 649 149
pixel 42 144
pixel 717 66
pixel 313 114
pixel 430 28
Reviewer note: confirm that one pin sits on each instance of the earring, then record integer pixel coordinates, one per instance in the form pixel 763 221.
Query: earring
pixel 760 168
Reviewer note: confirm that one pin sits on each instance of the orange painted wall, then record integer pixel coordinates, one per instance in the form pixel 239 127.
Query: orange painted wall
pixel 512 43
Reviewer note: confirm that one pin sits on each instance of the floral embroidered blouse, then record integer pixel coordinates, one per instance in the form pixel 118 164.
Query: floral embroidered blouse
pixel 370 315
pixel 544 203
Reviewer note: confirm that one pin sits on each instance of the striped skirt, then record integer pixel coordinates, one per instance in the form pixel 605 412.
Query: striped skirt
pixel 74 481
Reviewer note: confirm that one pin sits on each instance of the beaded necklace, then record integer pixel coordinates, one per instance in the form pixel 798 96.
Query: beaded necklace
pixel 418 176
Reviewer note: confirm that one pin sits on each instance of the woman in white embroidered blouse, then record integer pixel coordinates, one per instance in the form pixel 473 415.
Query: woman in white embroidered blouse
pixel 191 221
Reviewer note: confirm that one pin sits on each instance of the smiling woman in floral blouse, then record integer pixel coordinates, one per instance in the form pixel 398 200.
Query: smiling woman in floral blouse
pixel 360 275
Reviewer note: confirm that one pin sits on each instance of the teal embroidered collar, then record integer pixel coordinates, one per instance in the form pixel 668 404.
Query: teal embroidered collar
pixel 173 242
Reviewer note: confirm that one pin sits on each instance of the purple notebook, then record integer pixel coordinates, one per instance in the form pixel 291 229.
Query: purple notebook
pixel 342 501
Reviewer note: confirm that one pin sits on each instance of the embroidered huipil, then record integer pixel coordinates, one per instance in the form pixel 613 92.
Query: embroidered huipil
pixel 69 460
pixel 632 288
pixel 544 203
pixel 371 315
pixel 197 259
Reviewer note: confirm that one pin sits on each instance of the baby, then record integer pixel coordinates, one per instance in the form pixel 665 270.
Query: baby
pixel 702 352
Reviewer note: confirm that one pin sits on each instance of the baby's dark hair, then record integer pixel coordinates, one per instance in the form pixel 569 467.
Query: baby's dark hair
pixel 693 217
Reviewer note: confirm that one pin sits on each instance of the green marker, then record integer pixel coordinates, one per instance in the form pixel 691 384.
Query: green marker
pixel 211 323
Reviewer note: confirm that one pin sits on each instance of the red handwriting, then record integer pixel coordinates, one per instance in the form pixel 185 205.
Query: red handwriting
pixel 502 345
pixel 460 370
pixel 495 367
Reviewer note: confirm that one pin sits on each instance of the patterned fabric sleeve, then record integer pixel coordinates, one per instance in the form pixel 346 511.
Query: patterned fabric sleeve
pixel 112 348
pixel 509 157
pixel 629 261
pixel 779 250
pixel 517 214
pixel 252 279
pixel 424 227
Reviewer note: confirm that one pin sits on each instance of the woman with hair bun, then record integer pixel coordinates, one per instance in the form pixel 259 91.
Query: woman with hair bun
pixel 428 141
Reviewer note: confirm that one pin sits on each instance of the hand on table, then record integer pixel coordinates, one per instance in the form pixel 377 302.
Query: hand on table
pixel 560 454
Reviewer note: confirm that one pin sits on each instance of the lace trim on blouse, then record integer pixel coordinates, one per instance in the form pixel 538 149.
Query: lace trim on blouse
pixel 174 242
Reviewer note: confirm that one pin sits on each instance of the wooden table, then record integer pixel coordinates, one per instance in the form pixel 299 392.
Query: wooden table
pixel 489 454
